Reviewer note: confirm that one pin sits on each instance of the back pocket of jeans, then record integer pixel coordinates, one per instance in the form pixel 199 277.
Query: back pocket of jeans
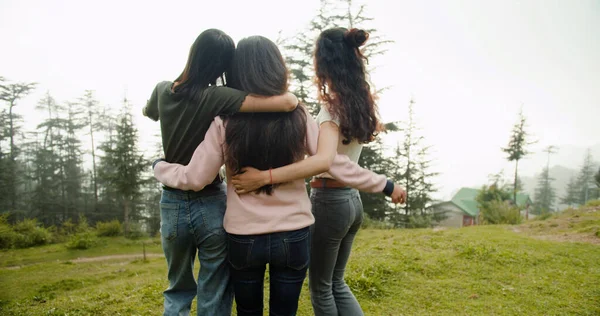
pixel 297 250
pixel 239 252
pixel 169 215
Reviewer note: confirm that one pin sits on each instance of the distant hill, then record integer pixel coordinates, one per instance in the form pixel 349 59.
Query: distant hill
pixel 568 156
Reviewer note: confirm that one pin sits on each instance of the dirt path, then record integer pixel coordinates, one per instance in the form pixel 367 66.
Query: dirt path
pixel 96 259
pixel 116 257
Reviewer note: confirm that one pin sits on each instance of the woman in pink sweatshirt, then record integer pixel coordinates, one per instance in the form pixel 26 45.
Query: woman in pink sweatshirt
pixel 348 119
pixel 272 225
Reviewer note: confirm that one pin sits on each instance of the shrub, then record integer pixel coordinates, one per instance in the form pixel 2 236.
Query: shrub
pixel 82 225
pixel 375 224
pixel 135 231
pixel 544 216
pixel 7 236
pixel 28 234
pixel 67 228
pixel 423 221
pixel 498 212
pixel 593 203
pixel 109 229
pixel 83 240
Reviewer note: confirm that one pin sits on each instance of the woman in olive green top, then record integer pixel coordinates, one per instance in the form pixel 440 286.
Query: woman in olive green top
pixel 193 221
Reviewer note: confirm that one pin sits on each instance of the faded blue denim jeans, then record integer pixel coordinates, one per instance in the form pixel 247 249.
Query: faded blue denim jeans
pixel 338 215
pixel 286 253
pixel 192 222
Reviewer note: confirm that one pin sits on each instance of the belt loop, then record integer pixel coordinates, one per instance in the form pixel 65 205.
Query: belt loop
pixel 324 183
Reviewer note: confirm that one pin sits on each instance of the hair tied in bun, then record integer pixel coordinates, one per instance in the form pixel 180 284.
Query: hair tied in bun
pixel 356 37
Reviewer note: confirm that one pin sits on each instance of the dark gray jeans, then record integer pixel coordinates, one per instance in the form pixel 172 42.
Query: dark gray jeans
pixel 338 215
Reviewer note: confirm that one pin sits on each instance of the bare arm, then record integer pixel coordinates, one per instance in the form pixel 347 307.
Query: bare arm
pixel 286 102
pixel 203 167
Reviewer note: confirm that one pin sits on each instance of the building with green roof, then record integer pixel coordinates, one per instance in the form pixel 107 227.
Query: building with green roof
pixel 463 209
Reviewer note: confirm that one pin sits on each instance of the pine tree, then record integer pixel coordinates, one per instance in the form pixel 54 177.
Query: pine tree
pixel 545 195
pixel 373 158
pixel 573 193
pixel 585 180
pixel 299 49
pixel 47 174
pixel 121 167
pixel 93 116
pixel 71 161
pixel 517 148
pixel 12 93
pixel 415 174
pixel 597 178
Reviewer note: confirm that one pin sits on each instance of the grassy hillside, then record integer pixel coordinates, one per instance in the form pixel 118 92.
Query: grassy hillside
pixel 485 270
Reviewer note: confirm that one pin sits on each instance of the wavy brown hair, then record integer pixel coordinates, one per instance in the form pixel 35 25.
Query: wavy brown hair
pixel 341 79
pixel 262 140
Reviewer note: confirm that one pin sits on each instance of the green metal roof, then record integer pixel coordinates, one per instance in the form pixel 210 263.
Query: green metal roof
pixel 465 200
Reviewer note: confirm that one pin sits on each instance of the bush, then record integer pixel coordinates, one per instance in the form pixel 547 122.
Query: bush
pixel 7 236
pixel 84 240
pixel 498 212
pixel 423 221
pixel 67 228
pixel 375 224
pixel 109 229
pixel 593 203
pixel 135 231
pixel 29 234
pixel 544 216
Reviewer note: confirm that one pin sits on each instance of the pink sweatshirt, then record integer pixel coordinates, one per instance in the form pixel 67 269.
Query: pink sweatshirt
pixel 287 208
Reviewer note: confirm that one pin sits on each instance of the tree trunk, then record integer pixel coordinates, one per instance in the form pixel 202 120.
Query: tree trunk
pixel 94 164
pixel 13 191
pixel 126 206
pixel 515 184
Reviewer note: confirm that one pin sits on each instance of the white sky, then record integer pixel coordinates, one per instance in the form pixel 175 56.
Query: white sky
pixel 470 65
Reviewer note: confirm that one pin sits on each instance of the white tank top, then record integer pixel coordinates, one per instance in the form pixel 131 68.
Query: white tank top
pixel 352 150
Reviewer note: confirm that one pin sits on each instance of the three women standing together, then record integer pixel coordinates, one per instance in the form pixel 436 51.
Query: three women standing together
pixel 265 216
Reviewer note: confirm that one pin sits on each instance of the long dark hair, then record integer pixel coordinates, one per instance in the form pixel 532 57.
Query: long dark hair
pixel 209 59
pixel 342 83
pixel 262 140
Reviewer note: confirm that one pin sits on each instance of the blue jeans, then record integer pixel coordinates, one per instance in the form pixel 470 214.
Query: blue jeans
pixel 338 216
pixel 287 254
pixel 193 222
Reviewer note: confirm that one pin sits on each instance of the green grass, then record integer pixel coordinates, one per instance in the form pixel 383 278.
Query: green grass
pixel 484 270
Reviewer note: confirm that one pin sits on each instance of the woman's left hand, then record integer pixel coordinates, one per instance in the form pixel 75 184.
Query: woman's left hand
pixel 250 179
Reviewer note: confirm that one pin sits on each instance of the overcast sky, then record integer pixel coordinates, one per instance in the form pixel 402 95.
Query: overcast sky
pixel 470 65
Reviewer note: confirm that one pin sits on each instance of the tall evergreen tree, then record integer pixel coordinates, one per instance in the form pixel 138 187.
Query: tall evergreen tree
pixel 12 93
pixel 597 178
pixel 585 180
pixel 71 162
pixel 93 121
pixel 572 195
pixel 517 148
pixel 415 174
pixel 48 194
pixel 373 158
pixel 545 195
pixel 122 165
pixel 299 49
